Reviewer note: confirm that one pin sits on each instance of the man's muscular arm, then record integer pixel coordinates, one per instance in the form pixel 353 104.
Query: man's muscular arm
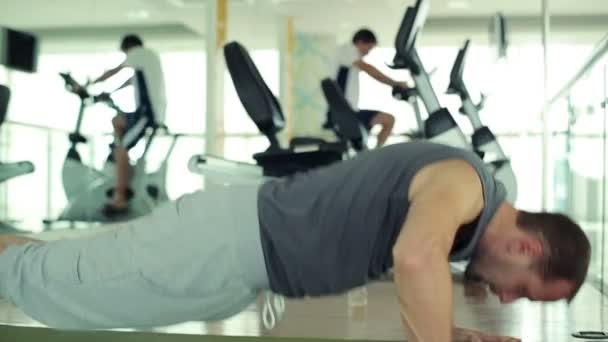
pixel 440 202
pixel 109 73
pixel 378 75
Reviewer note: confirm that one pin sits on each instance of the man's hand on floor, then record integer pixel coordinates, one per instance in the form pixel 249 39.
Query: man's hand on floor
pixel 466 335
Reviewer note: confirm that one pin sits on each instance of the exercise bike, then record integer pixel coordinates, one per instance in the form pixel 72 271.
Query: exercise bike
pixel 440 126
pixel 483 140
pixel 88 189
pixel 262 106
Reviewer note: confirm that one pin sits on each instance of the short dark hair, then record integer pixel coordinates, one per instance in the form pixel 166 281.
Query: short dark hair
pixel 567 251
pixel 365 35
pixel 130 41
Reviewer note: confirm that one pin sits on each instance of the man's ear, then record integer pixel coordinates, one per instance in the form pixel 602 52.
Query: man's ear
pixel 525 246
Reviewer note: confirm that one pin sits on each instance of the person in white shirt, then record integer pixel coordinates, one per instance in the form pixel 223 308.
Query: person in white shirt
pixel 349 62
pixel 149 83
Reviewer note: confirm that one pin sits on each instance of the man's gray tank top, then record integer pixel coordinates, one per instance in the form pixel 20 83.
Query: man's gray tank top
pixel 332 229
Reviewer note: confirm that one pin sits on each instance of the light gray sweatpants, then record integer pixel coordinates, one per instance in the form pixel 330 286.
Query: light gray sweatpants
pixel 198 258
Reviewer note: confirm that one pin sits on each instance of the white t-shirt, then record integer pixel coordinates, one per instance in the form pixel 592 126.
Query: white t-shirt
pixel 346 55
pixel 148 62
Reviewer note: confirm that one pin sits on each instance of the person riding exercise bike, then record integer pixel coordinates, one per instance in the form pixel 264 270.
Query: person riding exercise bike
pixel 130 127
pixel 349 62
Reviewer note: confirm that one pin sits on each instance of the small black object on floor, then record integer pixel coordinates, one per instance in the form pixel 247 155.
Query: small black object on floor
pixel 591 335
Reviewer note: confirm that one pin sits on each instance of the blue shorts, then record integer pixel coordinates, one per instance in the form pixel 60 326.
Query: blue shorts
pixel 366 116
pixel 137 123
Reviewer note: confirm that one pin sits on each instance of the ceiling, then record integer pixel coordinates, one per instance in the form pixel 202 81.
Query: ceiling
pixel 440 8
pixel 36 14
pixel 257 18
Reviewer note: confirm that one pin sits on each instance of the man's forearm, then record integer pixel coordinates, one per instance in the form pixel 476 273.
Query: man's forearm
pixel 425 296
pixel 375 73
pixel 108 74
pixel 124 85
pixel 382 78
pixel 104 76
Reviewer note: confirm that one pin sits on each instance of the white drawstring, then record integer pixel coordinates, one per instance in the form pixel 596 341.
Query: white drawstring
pixel 274 308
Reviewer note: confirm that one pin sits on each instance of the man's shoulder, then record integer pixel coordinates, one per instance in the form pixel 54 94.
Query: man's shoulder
pixel 456 181
pixel 143 52
pixel 442 165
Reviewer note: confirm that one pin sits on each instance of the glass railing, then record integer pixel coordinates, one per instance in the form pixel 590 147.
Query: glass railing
pixel 577 154
pixel 32 198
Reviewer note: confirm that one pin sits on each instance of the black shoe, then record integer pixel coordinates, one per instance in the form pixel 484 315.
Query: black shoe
pixel 112 211
pixel 328 125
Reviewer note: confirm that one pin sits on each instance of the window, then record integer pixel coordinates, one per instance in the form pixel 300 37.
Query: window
pixel 185 80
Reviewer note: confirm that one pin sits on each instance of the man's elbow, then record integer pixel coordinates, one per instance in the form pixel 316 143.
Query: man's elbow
pixel 417 259
pixel 406 261
pixel 365 67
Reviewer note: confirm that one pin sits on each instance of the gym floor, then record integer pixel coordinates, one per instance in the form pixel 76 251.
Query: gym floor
pixel 333 317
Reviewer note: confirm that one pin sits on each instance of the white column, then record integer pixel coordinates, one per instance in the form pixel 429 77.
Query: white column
pixel 286 52
pixel 217 23
pixel 544 116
